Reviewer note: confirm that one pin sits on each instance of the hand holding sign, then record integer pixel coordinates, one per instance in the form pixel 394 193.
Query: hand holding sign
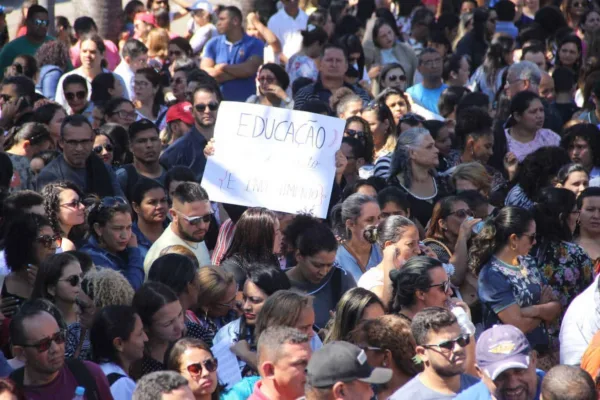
pixel 274 158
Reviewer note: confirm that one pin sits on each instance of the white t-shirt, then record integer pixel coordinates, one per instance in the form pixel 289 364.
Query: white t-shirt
pixel 580 324
pixel 287 30
pixel 371 279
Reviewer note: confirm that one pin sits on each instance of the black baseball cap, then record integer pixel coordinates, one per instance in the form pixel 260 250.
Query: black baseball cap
pixel 343 362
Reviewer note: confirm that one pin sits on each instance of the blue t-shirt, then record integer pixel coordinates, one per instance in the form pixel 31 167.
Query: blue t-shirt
pixel 416 390
pixel 502 285
pixel 221 51
pixel 427 98
pixel 349 264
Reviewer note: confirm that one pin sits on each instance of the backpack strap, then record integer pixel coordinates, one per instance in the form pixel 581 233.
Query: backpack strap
pixel 113 377
pixel 84 378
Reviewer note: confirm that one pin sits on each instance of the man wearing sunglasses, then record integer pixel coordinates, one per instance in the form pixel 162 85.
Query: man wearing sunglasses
pixel 36 335
pixel 442 350
pixel 77 164
pixel 191 214
pixel 283 354
pixel 37 34
pixel 188 151
pixel 506 364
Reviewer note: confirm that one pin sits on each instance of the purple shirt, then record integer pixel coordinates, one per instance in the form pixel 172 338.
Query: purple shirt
pixel 543 137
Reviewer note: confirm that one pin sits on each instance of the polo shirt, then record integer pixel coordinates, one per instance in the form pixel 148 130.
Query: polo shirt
pixel 221 51
pixel 316 91
pixel 287 29
pixel 16 47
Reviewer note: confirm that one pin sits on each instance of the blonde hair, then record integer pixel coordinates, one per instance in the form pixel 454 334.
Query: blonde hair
pixel 158 43
pixel 182 250
pixel 107 287
pixel 475 173
pixel 213 282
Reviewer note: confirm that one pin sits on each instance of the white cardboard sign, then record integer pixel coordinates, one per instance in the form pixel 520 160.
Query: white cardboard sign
pixel 271 157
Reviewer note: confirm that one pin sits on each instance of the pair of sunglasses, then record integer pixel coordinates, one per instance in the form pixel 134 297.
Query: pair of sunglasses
pixel 71 96
pixel 195 220
pixel 463 341
pixel 202 107
pixel 47 241
pixel 44 344
pixel 73 280
pixel 462 213
pixel 107 147
pixel 401 78
pixel 445 286
pixel 354 133
pixel 196 368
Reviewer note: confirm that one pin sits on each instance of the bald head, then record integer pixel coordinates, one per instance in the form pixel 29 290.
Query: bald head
pixel 565 382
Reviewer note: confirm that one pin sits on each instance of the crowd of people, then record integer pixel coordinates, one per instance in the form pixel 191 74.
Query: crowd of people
pixel 461 250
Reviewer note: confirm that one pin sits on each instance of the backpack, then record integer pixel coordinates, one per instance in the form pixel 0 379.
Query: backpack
pixel 82 375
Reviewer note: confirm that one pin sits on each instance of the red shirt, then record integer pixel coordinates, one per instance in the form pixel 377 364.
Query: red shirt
pixel 257 394
pixel 63 387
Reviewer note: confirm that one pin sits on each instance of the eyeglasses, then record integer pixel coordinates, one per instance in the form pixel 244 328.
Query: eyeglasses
pixel 202 107
pixel 531 236
pixel 44 344
pixel 47 241
pixel 432 63
pixel 411 117
pixel 463 341
pixel 445 286
pixel 73 280
pixel 107 147
pixel 462 213
pixel 266 79
pixel 71 96
pixel 40 22
pixel 176 54
pixel 196 368
pixel 195 220
pixel 353 133
pixel 73 204
pixel 392 78
pixel 125 114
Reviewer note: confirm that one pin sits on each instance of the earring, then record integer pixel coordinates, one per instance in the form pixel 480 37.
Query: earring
pixel 384 364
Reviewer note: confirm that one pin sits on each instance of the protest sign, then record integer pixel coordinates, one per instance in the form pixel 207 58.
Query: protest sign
pixel 271 157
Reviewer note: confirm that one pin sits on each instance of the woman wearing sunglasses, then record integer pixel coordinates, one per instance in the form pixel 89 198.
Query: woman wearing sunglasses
pixel 392 76
pixel 118 340
pixel 59 280
pixel 65 210
pixel 512 289
pixel 193 359
pixel 358 128
pixel 104 148
pixel 29 241
pixel 111 243
pixel 273 82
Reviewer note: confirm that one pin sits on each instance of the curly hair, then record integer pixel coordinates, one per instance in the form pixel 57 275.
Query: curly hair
pixel 393 333
pixel 539 168
pixel 54 52
pixel 51 193
pixel 107 287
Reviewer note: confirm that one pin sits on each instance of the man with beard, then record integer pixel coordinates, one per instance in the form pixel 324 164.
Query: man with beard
pixel 144 144
pixel 506 365
pixel 39 338
pixel 441 348
pixel 77 163
pixel 191 213
pixel 188 151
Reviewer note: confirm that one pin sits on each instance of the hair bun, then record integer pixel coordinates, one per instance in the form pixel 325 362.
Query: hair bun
pixel 394 274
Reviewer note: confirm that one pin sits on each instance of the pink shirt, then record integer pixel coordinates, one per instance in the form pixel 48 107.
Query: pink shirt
pixel 543 137
pixel 111 55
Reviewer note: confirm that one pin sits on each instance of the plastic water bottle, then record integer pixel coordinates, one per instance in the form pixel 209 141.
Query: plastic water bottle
pixel 466 326
pixel 79 393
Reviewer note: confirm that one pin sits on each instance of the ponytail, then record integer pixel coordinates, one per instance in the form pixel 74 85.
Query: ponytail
pixel 483 247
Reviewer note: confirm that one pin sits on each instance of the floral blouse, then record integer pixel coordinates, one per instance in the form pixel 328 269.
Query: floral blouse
pixel 567 269
pixel 502 285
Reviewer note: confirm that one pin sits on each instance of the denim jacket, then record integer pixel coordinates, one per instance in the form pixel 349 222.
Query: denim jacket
pixel 129 262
